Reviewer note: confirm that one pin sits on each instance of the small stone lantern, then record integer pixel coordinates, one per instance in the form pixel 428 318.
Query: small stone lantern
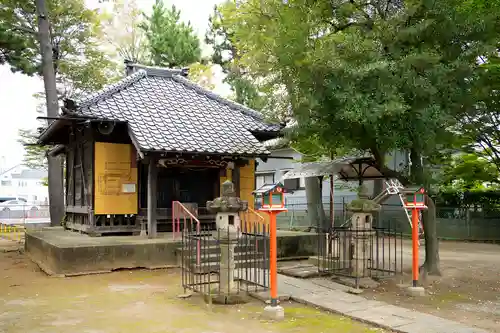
pixel 227 208
pixel 361 232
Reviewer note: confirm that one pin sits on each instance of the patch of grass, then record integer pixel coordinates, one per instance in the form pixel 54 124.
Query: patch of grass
pixel 304 319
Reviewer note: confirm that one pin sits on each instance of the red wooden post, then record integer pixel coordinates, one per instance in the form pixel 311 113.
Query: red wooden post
pixel 414 237
pixel 273 253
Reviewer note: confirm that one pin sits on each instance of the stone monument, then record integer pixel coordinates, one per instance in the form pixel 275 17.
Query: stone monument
pixel 227 208
pixel 361 231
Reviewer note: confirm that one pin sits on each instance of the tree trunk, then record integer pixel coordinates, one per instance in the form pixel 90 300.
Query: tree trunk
pixel 325 223
pixel 378 186
pixel 431 264
pixel 315 212
pixel 56 194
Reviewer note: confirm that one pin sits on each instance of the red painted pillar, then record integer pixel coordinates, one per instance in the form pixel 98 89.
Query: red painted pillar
pixel 273 253
pixel 414 236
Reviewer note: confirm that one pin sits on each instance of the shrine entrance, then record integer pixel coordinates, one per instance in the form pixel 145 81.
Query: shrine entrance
pixel 192 186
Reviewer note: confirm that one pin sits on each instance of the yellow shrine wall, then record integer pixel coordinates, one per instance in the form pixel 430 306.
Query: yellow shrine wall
pixel 247 182
pixel 115 179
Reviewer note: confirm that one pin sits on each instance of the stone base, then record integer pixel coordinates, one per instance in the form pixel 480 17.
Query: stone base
pixel 65 253
pixel 415 291
pixel 364 283
pixel 274 312
pixel 228 299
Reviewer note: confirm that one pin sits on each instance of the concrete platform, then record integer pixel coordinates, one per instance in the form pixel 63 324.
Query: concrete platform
pixel 65 253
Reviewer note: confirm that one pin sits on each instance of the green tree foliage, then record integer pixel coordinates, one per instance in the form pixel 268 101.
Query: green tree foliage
pixel 480 121
pixel 245 90
pixel 34 156
pixel 368 75
pixel 172 43
pixel 371 75
pixel 18 45
pixel 468 172
pixel 75 35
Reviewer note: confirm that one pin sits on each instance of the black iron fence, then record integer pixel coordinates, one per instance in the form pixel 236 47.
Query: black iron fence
pixel 358 253
pixel 451 223
pixel 224 262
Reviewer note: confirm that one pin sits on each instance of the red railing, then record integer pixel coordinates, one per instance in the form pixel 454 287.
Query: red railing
pixel 180 211
pixel 252 220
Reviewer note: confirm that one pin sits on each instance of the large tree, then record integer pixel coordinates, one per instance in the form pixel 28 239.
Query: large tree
pixel 69 41
pixel 172 42
pixel 225 54
pixel 373 76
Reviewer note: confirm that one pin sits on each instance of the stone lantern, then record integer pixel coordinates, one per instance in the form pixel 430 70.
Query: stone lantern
pixel 227 208
pixel 361 232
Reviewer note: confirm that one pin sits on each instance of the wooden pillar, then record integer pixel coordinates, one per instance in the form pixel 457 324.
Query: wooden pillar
pixel 332 202
pixel 236 180
pixel 152 197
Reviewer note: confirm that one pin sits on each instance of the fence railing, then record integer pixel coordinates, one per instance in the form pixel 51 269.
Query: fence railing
pixel 451 223
pixel 358 253
pixel 224 270
pixel 23 214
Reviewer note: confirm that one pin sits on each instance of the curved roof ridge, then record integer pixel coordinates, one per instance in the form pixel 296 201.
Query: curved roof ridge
pixel 111 89
pixel 220 99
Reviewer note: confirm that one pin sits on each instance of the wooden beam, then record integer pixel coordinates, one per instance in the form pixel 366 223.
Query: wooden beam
pixel 78 209
pixel 152 199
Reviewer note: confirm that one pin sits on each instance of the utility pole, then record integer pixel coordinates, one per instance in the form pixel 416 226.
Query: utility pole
pixel 56 195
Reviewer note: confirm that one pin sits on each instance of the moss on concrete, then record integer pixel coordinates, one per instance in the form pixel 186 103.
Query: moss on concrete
pixel 304 319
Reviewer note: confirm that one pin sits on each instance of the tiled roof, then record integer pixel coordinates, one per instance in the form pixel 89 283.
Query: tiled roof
pixel 166 111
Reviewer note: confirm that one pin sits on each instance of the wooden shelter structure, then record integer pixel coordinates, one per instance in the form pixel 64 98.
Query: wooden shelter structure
pixel 358 169
pixel 152 139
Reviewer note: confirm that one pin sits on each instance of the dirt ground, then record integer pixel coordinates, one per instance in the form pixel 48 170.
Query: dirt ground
pixel 468 290
pixel 134 301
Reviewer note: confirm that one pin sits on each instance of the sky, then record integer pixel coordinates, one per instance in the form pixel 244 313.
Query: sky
pixel 18 106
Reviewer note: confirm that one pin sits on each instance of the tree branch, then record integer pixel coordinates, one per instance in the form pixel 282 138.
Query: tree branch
pixel 24 29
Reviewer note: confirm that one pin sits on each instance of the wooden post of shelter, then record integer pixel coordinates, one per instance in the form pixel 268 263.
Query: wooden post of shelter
pixel 152 180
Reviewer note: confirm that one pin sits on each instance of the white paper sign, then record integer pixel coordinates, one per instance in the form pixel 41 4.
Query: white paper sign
pixel 128 188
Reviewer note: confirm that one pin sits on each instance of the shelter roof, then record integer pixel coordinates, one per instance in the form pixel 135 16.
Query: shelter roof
pixel 347 168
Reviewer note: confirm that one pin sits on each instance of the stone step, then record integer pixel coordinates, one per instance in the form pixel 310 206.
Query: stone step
pixel 213 267
pixel 213 247
pixel 247 256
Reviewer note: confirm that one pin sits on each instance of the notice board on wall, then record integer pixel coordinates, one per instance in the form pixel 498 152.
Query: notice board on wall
pixel 115 180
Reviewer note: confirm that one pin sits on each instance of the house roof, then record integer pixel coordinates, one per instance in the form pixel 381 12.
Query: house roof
pixel 30 174
pixel 167 112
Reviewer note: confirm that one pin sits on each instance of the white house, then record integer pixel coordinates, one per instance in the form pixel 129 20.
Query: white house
pixel 23 182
